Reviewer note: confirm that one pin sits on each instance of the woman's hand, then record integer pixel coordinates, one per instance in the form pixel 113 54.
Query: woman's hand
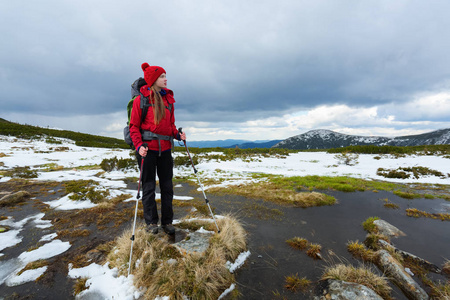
pixel 183 136
pixel 143 151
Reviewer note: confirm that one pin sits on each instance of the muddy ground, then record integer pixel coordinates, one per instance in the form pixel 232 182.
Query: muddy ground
pixel 269 225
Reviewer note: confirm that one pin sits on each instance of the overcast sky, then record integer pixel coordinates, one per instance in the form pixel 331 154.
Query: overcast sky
pixel 254 69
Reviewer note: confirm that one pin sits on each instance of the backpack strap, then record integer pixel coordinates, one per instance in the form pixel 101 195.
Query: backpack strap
pixel 148 135
pixel 144 106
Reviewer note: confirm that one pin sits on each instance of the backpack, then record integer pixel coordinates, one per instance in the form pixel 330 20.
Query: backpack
pixel 145 104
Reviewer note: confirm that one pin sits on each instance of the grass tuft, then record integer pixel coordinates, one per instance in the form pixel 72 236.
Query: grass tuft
pixel 314 251
pixel 360 251
pixel 162 270
pixel 446 267
pixel 294 283
pixel 80 285
pixel 369 226
pixel 361 275
pixel 298 243
pixel 371 240
pixel 414 212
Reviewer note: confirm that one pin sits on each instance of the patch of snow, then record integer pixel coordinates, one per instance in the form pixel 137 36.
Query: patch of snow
pixel 26 276
pixel 65 203
pixel 183 198
pixel 227 291
pixel 203 230
pixel 11 237
pixel 105 282
pixel 240 260
pixel 48 237
pixel 48 250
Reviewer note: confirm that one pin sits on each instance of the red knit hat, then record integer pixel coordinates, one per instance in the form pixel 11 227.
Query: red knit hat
pixel 151 73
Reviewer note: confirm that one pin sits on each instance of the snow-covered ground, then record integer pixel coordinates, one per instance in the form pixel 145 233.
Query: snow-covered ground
pixel 38 154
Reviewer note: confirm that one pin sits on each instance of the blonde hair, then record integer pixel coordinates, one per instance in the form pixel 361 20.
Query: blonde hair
pixel 159 109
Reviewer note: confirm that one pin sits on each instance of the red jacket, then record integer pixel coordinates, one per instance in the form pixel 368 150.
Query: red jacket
pixel 165 127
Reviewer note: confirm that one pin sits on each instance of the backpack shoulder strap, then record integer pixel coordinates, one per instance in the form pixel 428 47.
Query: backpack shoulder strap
pixel 144 106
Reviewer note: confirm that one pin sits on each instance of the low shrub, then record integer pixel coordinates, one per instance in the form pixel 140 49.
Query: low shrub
pixel 347 158
pixel 22 172
pixel 113 164
pixel 85 189
pixel 405 173
pixel 183 160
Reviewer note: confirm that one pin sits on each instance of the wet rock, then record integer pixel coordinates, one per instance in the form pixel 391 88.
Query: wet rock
pixel 395 270
pixel 417 260
pixel 196 242
pixel 342 290
pixel 388 229
pixel 13 199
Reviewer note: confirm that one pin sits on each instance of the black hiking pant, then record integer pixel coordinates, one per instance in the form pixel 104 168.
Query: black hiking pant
pixel 163 166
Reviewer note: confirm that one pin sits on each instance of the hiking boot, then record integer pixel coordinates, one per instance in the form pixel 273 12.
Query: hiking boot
pixel 169 229
pixel 152 228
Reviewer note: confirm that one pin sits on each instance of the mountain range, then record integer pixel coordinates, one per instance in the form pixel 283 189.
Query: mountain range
pixel 326 139
pixel 314 139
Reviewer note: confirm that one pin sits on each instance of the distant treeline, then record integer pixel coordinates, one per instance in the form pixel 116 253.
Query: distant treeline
pixel 371 149
pixel 237 151
pixel 80 139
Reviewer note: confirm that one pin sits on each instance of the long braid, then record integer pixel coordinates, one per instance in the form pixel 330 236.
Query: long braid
pixel 159 109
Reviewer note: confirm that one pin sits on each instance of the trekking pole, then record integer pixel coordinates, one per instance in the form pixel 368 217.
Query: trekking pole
pixel 135 212
pixel 199 183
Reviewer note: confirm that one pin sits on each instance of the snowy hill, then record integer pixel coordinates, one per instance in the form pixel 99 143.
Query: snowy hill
pixel 326 139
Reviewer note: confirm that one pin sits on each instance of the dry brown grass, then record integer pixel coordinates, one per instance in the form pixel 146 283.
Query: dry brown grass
pixel 34 265
pixel 446 267
pixel 361 275
pixel 80 285
pixel 164 271
pixel 74 233
pixel 441 290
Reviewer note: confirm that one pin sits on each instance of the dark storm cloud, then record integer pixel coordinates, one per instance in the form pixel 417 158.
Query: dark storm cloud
pixel 229 61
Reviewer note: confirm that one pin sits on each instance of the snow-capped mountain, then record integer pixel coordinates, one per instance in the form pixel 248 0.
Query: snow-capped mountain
pixel 325 139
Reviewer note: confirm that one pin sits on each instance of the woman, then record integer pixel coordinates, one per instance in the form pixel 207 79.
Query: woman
pixel 153 139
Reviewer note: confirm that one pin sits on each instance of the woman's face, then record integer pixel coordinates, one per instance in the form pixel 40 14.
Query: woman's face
pixel 161 82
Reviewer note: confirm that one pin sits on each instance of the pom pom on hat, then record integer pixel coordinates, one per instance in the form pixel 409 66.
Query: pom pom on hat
pixel 145 66
pixel 151 73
